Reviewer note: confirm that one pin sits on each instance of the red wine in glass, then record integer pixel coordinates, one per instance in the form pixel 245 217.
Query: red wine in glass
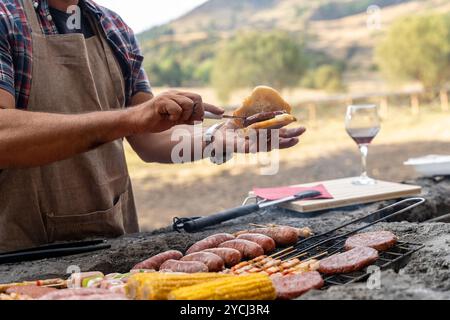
pixel 362 123
pixel 363 135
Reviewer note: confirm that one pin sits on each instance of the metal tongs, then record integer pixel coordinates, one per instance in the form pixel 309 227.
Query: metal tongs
pixel 198 223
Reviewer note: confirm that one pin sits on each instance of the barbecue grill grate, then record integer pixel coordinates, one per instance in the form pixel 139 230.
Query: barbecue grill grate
pixel 333 241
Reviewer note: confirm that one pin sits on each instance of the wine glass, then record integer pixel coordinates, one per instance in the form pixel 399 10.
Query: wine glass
pixel 362 123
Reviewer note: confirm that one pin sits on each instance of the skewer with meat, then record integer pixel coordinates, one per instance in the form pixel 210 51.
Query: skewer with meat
pixel 271 266
pixel 268 266
pixel 258 260
pixel 311 265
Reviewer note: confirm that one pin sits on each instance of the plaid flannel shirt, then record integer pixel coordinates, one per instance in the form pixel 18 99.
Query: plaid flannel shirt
pixel 16 52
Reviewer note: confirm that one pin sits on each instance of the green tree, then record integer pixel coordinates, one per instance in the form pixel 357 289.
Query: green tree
pixel 255 58
pixel 417 48
pixel 326 77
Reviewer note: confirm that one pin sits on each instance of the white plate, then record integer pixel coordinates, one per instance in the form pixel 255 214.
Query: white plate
pixel 431 165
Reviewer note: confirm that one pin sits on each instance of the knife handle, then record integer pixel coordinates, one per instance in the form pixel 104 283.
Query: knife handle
pixel 201 223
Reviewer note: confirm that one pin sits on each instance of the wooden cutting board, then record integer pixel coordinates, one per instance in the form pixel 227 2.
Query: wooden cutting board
pixel 345 194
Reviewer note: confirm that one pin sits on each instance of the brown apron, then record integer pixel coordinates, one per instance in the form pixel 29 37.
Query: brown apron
pixel 89 195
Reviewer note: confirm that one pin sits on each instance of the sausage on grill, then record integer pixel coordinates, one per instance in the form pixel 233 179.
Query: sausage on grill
pixel 155 262
pixel 83 294
pixel 294 285
pixel 378 240
pixel 349 261
pixel 247 248
pixel 231 257
pixel 30 291
pixel 210 242
pixel 184 266
pixel 267 243
pixel 211 260
pixel 283 236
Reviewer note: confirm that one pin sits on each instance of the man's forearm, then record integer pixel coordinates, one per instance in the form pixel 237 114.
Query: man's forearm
pixel 29 139
pixel 159 147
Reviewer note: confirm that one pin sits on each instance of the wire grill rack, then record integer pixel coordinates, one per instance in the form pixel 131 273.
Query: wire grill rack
pixel 333 241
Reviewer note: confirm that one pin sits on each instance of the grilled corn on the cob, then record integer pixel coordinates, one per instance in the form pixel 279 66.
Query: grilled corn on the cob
pixel 156 286
pixel 248 287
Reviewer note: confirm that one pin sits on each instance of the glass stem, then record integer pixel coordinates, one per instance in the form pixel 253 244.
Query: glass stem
pixel 364 149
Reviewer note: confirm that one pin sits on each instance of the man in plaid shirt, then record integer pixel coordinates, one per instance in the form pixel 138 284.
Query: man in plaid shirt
pixel 69 93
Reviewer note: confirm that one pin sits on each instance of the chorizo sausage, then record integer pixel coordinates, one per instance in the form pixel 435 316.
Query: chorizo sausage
pixel 83 294
pixel 262 116
pixel 184 266
pixel 155 262
pixel 30 291
pixel 212 261
pixel 231 257
pixel 267 243
pixel 283 236
pixel 210 242
pixel 247 248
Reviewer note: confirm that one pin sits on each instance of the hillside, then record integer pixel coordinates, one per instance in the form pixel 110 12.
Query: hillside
pixel 336 28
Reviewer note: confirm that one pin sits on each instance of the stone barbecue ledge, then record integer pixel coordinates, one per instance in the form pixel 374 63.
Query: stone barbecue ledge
pixel 425 276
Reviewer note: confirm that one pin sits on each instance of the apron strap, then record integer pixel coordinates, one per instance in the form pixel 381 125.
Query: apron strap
pixel 32 17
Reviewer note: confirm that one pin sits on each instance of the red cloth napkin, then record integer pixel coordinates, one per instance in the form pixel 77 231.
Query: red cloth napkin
pixel 284 192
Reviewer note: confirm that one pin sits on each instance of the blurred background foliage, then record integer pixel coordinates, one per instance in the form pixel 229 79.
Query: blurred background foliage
pixel 421 52
pixel 297 46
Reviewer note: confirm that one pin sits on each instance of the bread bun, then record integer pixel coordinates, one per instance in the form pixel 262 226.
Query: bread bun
pixel 265 99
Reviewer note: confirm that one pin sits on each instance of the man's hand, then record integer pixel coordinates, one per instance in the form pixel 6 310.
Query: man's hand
pixel 231 139
pixel 171 109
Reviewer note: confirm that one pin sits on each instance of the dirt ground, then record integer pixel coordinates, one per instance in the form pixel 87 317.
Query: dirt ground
pixel 159 205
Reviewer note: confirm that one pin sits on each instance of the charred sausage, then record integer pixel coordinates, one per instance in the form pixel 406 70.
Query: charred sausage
pixel 184 266
pixel 83 294
pixel 155 262
pixel 30 291
pixel 210 242
pixel 267 243
pixel 263 116
pixel 283 235
pixel 231 257
pixel 212 261
pixel 248 249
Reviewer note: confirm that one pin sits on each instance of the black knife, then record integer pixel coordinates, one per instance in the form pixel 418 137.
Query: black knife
pixel 197 224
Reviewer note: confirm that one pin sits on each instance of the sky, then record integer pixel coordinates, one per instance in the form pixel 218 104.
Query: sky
pixel 143 14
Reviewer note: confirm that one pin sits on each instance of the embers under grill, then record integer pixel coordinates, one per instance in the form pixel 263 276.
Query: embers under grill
pixel 332 242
